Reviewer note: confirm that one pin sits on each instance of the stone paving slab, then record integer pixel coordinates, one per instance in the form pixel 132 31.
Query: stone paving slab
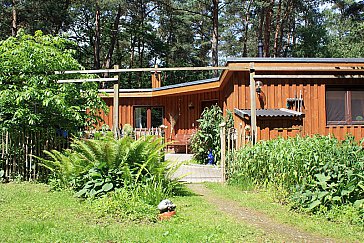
pixel 178 157
pixel 198 173
pixel 194 173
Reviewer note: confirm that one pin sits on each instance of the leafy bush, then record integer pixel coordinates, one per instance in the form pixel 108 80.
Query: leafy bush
pixel 313 172
pixel 208 134
pixel 128 130
pixel 29 95
pixel 94 167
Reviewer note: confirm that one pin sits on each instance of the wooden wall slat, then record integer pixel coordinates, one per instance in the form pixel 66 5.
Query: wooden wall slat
pixel 235 94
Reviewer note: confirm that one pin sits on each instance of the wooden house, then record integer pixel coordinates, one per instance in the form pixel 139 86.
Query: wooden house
pixel 292 96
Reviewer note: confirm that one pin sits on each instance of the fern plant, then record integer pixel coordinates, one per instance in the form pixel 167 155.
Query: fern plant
pixel 95 167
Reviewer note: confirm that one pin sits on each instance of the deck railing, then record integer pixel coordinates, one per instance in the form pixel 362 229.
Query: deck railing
pixel 143 132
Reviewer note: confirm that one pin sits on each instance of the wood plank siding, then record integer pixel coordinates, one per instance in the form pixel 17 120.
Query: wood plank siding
pixel 278 90
pixel 281 80
pixel 187 107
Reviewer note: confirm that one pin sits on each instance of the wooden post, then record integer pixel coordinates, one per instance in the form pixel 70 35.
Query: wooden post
pixel 7 167
pixel 116 106
pixel 253 105
pixel 241 135
pixel 156 78
pixel 223 151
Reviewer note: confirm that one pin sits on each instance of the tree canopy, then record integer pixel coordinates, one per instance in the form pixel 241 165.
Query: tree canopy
pixel 141 33
pixel 30 97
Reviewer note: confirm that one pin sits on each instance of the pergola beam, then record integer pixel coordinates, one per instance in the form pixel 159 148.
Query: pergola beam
pixel 308 76
pixel 125 70
pixel 87 80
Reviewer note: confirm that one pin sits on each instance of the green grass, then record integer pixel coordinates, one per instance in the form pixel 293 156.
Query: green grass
pixel 262 201
pixel 30 213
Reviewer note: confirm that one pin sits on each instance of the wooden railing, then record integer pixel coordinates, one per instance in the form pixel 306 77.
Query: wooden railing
pixel 142 132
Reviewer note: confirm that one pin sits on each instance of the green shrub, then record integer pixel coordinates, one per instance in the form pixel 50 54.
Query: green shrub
pixel 208 134
pixel 94 167
pixel 126 205
pixel 313 172
pixel 128 130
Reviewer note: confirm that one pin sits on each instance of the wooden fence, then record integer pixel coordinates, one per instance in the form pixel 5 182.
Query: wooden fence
pixel 18 148
pixel 232 139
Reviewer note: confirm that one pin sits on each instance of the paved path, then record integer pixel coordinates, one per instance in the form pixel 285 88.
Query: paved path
pixel 195 173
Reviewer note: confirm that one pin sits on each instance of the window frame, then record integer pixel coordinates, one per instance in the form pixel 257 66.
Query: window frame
pixel 348 119
pixel 149 115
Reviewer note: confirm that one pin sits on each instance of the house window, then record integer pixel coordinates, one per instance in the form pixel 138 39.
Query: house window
pixel 208 104
pixel 148 117
pixel 344 106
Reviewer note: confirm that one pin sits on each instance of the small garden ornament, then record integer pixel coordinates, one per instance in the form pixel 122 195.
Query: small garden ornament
pixel 210 157
pixel 166 209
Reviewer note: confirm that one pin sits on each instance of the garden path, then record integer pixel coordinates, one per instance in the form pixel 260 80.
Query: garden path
pixel 272 228
pixel 194 173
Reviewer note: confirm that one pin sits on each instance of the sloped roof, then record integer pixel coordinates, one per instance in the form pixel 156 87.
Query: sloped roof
pixel 269 113
pixel 295 60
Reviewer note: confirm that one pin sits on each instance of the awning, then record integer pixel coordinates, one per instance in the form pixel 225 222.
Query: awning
pixel 269 113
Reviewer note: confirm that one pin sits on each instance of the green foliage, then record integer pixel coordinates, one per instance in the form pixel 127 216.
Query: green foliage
pixel 128 130
pixel 29 94
pixel 208 134
pixel 31 213
pixel 94 167
pixel 341 223
pixel 345 22
pixel 125 205
pixel 316 171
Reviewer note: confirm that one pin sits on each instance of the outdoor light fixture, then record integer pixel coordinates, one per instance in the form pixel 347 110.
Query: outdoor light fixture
pixel 258 86
pixel 191 105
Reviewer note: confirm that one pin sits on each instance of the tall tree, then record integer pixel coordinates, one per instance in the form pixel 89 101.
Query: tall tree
pixel 113 37
pixel 97 34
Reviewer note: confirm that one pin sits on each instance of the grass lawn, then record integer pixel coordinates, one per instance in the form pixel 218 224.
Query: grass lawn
pixel 263 202
pixel 30 213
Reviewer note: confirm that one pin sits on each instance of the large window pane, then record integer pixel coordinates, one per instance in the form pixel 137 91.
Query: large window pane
pixel 140 117
pixel 335 106
pixel 157 116
pixel 357 107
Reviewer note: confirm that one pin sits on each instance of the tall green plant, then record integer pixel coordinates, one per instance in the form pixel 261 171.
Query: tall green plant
pixel 314 171
pixel 208 134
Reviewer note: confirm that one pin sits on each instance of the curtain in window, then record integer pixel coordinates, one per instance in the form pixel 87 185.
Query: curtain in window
pixel 335 106
pixel 140 117
pixel 357 106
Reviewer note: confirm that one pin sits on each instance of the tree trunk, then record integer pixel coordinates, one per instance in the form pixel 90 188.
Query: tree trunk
pixel 246 23
pixel 14 26
pixel 278 27
pixel 215 33
pixel 261 24
pixel 285 24
pixel 267 28
pixel 114 35
pixel 97 36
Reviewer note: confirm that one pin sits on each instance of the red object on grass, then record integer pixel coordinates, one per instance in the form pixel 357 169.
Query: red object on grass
pixel 166 215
